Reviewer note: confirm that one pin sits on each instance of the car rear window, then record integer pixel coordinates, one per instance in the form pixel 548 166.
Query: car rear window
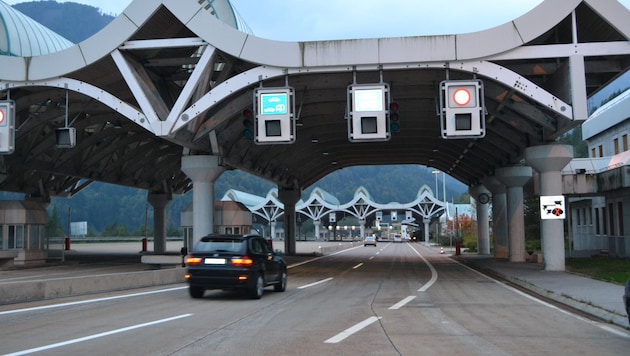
pixel 221 245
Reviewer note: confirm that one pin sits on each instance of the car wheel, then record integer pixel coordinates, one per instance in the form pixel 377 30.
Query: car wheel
pixel 281 286
pixel 196 292
pixel 258 288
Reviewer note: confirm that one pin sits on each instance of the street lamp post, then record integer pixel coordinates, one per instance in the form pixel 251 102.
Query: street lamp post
pixel 437 226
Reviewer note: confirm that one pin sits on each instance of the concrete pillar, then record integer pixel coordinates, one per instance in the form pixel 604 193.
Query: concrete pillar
pixel 499 217
pixel 317 224
pixel 288 197
pixel 159 203
pixel 426 222
pixel 362 228
pixel 272 229
pixel 203 171
pixel 514 178
pixel 483 226
pixel 549 160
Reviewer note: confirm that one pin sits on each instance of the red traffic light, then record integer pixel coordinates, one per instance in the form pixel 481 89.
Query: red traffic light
pixel 462 96
pixel 393 106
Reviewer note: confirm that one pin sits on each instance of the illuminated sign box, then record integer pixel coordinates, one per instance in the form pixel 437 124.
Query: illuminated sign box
pixel 367 114
pixel 273 115
pixel 462 113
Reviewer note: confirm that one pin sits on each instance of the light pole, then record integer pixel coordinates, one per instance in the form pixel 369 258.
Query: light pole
pixel 435 173
pixel 437 226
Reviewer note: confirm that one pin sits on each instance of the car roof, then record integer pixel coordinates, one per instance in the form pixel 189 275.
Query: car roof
pixel 210 237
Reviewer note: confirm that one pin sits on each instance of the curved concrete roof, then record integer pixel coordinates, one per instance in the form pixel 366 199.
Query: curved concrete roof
pixel 225 36
pixel 21 36
pixel 178 80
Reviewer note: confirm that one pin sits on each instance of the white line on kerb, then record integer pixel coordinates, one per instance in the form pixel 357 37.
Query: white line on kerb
pixel 95 336
pixel 402 302
pixel 351 330
pixel 315 283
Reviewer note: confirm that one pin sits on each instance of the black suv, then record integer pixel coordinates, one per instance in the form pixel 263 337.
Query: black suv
pixel 244 262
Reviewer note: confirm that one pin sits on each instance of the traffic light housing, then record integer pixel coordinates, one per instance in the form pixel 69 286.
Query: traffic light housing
pixel 7 126
pixel 462 110
pixel 394 117
pixel 248 123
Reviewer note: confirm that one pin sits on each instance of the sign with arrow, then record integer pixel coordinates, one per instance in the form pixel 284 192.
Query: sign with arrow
pixel 552 207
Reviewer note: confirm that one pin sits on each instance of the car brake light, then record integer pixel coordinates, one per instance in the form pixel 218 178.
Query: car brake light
pixel 193 261
pixel 243 261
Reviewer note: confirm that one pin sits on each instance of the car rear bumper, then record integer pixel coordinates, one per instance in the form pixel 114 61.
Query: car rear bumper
pixel 227 279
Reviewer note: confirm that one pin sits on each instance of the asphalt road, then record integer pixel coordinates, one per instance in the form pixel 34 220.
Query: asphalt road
pixel 393 299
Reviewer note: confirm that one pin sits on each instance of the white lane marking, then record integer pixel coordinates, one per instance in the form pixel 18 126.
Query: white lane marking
pixel 403 302
pixel 539 301
pixel 95 336
pixel 357 266
pixel 315 283
pixel 90 301
pixel 320 257
pixel 371 257
pixel 434 275
pixel 351 330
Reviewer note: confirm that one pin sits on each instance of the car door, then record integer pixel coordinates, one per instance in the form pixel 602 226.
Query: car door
pixel 271 266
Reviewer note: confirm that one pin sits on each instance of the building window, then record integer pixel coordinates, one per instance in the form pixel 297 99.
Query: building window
pixel 611 219
pixel 620 218
pixel 616 145
pixel 604 221
pixel 601 151
pixel 597 226
pixel 16 237
pixel 624 142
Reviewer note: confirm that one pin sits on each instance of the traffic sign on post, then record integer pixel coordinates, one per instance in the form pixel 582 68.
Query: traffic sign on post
pixel 552 207
pixel 7 126
pixel 462 111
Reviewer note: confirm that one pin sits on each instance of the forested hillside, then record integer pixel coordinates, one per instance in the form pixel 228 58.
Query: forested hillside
pixel 106 207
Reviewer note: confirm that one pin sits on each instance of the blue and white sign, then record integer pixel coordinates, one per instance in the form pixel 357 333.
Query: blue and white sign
pixel 273 104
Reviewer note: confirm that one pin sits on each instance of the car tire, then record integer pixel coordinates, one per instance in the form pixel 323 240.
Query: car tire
pixel 281 286
pixel 256 291
pixel 196 292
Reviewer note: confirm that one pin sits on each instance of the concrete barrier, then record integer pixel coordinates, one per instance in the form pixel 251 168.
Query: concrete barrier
pixel 24 291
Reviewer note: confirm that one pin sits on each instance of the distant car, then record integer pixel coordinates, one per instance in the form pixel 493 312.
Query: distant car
pixel 398 238
pixel 626 299
pixel 242 262
pixel 369 240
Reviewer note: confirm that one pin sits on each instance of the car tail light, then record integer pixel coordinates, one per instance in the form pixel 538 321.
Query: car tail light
pixel 242 261
pixel 193 261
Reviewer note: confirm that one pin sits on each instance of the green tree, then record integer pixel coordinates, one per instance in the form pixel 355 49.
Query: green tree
pixel 54 223
pixel 115 230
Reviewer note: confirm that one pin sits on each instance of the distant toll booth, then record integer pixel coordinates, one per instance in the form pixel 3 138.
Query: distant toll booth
pixel 23 236
pixel 230 217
